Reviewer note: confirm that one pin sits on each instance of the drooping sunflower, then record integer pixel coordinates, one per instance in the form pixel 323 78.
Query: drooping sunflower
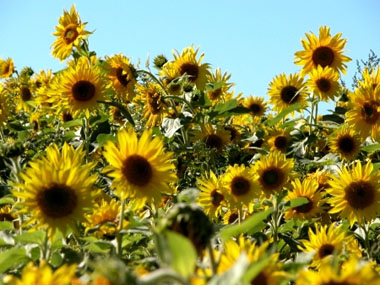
pixel 44 275
pixel 140 168
pixel 214 137
pixel 364 116
pixel 241 185
pixel 70 32
pixel 279 139
pixel 274 171
pixel 211 198
pixel 284 91
pixel 219 94
pixel 6 67
pixel 323 82
pixel 256 106
pixel 154 108
pixel 307 189
pixel 187 64
pixel 323 51
pixel 345 142
pixel 370 79
pixel 355 193
pixel 121 74
pixel 329 240
pixel 57 189
pixel 78 89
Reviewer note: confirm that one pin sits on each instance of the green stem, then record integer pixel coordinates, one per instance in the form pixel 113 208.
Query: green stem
pixel 365 228
pixel 178 98
pixel 45 247
pixel 86 130
pixel 212 258
pixel 119 235
pixel 276 218
pixel 154 78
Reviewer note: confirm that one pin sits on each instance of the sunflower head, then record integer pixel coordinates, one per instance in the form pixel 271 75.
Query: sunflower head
pixel 256 107
pixel 279 139
pixel 6 68
pixel 214 137
pixel 70 32
pixel 221 86
pixel 345 142
pixel 371 78
pixel 5 106
pixel 323 51
pixel 324 83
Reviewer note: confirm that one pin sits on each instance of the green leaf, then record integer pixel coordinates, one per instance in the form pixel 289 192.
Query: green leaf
pixel 56 259
pixel 123 110
pixel 6 200
pixel 188 195
pixel 99 247
pixel 251 225
pixel 376 166
pixel 254 269
pixel 6 226
pixel 224 107
pixel 12 257
pixel 333 118
pixel 283 114
pixel 296 202
pixel 37 237
pixel 102 139
pixel 371 148
pixel 73 123
pixel 183 254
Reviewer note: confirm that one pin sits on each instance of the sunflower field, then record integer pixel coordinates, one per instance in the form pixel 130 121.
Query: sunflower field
pixel 113 173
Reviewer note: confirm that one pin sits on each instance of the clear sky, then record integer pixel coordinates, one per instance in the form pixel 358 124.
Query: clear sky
pixel 253 40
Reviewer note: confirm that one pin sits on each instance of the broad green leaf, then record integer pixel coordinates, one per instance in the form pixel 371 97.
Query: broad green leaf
pixel 56 259
pixel 6 200
pixel 12 257
pixel 283 114
pixel 371 148
pixel 99 247
pixel 73 123
pixel 296 202
pixel 333 118
pixel 254 269
pixel 102 139
pixel 6 226
pixel 123 110
pixel 376 166
pixel 37 237
pixel 224 107
pixel 251 225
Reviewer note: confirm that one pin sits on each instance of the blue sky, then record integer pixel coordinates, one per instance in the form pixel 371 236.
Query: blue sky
pixel 253 40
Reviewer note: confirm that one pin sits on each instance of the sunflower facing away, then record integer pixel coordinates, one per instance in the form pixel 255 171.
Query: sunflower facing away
pixel 6 67
pixel 57 189
pixel 355 193
pixel 140 168
pixel 284 91
pixel 323 51
pixel 329 240
pixel 70 32
pixel 324 83
pixel 78 89
pixel 345 142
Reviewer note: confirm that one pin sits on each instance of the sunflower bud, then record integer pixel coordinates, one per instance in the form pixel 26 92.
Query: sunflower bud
pixel 159 61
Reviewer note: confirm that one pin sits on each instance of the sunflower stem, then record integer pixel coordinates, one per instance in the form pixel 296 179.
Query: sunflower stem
pixel 119 235
pixel 45 247
pixel 86 131
pixel 154 79
pixel 365 228
pixel 178 98
pixel 276 218
pixel 212 258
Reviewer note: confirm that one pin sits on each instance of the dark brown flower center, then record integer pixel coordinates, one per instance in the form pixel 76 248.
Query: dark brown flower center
pixel 360 194
pixel 289 94
pixel 214 141
pixel 324 85
pixel 233 217
pixel 70 34
pixel 191 69
pixel 67 117
pixel 260 279
pixel 154 102
pixel 57 201
pixel 323 56
pixel 280 142
pixel 325 250
pixel 255 108
pixel 6 217
pixel 122 76
pixel 215 94
pixel 272 178
pixel 305 208
pixel 26 95
pixel 346 144
pixel 137 170
pixel 257 143
pixel 240 186
pixel 216 198
pixel 370 113
pixel 6 68
pixel 83 91
pixel 233 132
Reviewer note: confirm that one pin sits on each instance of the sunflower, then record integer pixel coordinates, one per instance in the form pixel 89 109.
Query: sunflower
pixel 371 79
pixel 307 189
pixel 219 94
pixel 241 185
pixel 187 64
pixel 324 83
pixel 5 106
pixel 328 240
pixel 231 216
pixel 235 135
pixel 6 68
pixel 57 189
pixel 274 170
pixel 325 51
pixel 364 116
pixel 270 274
pixel 70 32
pixel 345 142
pixel 285 91
pixel 79 88
pixel 121 74
pixel 214 137
pixel 155 108
pixel 105 215
pixel 322 178
pixel 43 274
pixel 140 168
pixel 170 78
pixel 256 107
pixel 279 139
pixel 211 198
pixel 42 82
pixel 355 193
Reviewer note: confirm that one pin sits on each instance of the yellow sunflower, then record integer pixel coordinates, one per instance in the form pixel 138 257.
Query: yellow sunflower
pixel 329 240
pixel 57 189
pixel 371 79
pixel 235 135
pixel 70 32
pixel 214 137
pixel 6 68
pixel 364 116
pixel 79 88
pixel 355 193
pixel 324 83
pixel 256 106
pixel 220 94
pixel 325 51
pixel 187 64
pixel 241 185
pixel 5 106
pixel 345 142
pixel 43 275
pixel 211 198
pixel 120 72
pixel 154 108
pixel 285 91
pixel 279 139
pixel 274 171
pixel 140 168
pixel 42 81
pixel 307 189
pixel 171 78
